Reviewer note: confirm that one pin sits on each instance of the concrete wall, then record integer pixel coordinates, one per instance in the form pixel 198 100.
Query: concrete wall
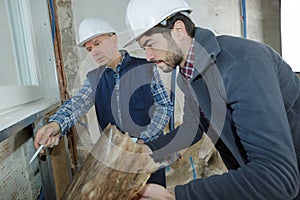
pixel 70 51
pixel 223 17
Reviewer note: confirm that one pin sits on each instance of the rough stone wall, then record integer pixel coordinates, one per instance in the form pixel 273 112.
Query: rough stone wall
pixel 264 22
pixel 72 67
pixel 67 33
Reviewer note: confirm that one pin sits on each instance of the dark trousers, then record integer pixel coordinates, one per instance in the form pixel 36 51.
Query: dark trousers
pixel 158 177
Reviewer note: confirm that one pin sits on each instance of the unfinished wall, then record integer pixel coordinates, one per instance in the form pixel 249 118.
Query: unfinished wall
pixel 75 73
pixel 69 49
pixel 19 180
pixel 264 22
pixel 224 17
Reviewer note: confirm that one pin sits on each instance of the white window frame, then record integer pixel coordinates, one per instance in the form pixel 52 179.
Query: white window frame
pixel 19 102
pixel 290 40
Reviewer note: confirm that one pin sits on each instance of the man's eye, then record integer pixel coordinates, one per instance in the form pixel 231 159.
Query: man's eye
pixel 149 46
pixel 97 43
pixel 89 49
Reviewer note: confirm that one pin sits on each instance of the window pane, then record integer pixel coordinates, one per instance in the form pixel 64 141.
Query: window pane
pixel 28 68
pixel 290 33
pixel 17 54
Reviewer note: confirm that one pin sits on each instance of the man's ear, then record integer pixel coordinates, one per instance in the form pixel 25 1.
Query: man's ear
pixel 114 38
pixel 179 28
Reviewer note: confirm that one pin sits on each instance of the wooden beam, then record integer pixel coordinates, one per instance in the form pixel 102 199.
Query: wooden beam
pixel 117 168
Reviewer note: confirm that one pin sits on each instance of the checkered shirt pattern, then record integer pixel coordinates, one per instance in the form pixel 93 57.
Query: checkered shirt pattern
pixel 188 69
pixel 74 108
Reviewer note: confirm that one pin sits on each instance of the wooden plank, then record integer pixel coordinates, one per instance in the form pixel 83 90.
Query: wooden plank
pixel 60 168
pixel 199 161
pixel 117 168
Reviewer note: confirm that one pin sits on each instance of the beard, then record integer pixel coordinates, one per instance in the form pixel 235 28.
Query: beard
pixel 173 57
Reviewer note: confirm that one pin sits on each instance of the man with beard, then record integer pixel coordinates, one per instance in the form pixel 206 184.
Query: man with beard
pixel 240 92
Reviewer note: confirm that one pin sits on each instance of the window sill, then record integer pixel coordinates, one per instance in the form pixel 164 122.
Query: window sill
pixel 14 119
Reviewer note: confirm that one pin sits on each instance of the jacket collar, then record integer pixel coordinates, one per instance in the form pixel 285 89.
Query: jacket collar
pixel 206 50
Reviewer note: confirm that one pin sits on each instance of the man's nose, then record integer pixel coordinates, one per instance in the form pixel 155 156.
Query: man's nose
pixel 94 51
pixel 149 55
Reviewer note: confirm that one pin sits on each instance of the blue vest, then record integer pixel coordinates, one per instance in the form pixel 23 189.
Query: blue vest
pixel 135 95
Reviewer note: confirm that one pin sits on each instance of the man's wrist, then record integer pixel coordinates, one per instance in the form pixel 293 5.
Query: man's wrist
pixel 172 192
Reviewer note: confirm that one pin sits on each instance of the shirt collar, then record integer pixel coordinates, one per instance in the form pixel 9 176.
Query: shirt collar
pixel 123 54
pixel 188 67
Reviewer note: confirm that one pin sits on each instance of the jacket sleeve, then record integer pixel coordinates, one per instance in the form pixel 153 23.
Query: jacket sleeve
pixel 259 118
pixel 185 135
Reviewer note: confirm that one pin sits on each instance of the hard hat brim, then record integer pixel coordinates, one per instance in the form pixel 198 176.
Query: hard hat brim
pixel 136 35
pixel 81 44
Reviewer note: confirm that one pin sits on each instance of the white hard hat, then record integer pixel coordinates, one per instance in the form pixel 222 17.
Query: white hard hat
pixel 142 15
pixel 92 27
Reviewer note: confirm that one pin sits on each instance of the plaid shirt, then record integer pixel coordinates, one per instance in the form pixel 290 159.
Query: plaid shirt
pixel 188 69
pixel 71 111
pixel 187 72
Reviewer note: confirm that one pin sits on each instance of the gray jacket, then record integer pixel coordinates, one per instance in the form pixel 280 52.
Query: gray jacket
pixel 250 99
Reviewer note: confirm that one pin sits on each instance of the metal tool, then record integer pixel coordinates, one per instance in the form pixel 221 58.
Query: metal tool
pixel 36 153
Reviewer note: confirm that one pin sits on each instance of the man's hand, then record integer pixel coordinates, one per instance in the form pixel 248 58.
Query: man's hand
pixel 47 135
pixel 140 141
pixel 145 148
pixel 154 192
